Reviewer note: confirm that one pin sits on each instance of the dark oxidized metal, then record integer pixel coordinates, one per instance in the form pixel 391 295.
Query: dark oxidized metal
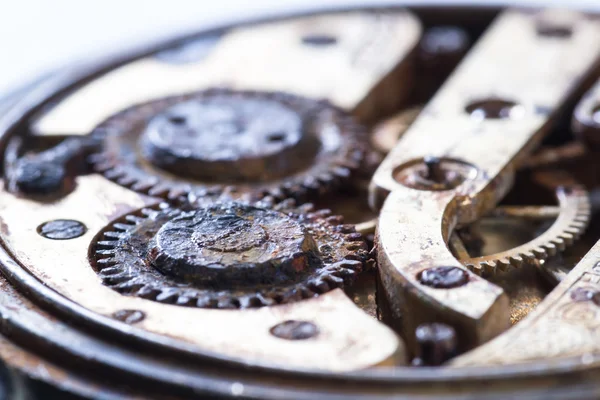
pixel 225 161
pixel 249 144
pixel 229 255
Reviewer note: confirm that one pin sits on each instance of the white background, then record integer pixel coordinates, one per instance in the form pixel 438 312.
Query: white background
pixel 39 35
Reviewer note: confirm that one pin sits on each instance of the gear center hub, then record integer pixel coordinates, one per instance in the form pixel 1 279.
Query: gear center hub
pixel 233 244
pixel 233 138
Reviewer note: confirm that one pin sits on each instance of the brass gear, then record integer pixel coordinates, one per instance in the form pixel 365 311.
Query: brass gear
pixel 572 217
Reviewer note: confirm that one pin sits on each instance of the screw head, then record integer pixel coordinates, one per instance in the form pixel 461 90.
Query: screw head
pixel 434 173
pixel 129 316
pixel 444 277
pixel 319 40
pixel 38 177
pixel 437 343
pixel 584 294
pixel 295 330
pixel 494 108
pixel 62 229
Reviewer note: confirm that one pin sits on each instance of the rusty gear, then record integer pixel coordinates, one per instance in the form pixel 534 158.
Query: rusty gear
pixel 229 254
pixel 250 144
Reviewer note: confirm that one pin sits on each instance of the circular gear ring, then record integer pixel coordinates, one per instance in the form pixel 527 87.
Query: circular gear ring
pixel 244 143
pixel 571 221
pixel 229 254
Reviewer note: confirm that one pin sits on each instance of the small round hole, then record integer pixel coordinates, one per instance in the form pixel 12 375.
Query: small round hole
pixel 276 137
pixel 554 30
pixel 177 119
pixel 319 40
pixel 494 109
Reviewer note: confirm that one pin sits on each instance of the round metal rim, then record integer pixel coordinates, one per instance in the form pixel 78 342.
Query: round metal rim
pixel 53 87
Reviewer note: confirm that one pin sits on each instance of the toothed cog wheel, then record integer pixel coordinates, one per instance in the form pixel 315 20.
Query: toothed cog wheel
pixel 250 144
pixel 572 217
pixel 229 254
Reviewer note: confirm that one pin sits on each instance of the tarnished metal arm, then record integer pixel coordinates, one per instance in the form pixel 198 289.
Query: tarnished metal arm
pixel 457 161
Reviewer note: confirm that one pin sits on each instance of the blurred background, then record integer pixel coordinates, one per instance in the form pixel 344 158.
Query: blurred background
pixel 37 36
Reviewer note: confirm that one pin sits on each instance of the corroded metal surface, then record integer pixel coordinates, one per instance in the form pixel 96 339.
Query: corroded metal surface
pixel 229 255
pixel 189 285
pixel 220 142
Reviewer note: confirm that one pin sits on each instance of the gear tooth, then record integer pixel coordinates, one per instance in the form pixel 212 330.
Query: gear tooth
pixel 266 202
pixel 106 262
pixel 477 269
pixel 184 300
pixel 550 249
pixel 129 286
pixel 122 227
pixel 105 253
pixel 306 208
pixel 540 252
pixel 503 266
pixel 517 261
pixel 110 271
pixel 113 235
pixel 286 204
pixel 347 275
pixel 264 301
pixel 145 184
pixel 568 238
pixel 206 302
pixel 114 173
pixel 529 256
pixel 319 286
pixel 168 295
pixel 354 256
pixel 276 193
pixel 133 219
pixel 559 243
pixel 355 237
pixel 347 228
pixel 489 268
pixel 335 220
pixel 177 192
pixel 104 167
pixel 306 292
pixel 106 244
pixel 353 265
pixel 248 302
pixel 115 279
pixel 355 246
pixel 148 292
pixel 160 190
pixel 150 213
pixel 228 303
pixel 311 183
pixel 126 180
